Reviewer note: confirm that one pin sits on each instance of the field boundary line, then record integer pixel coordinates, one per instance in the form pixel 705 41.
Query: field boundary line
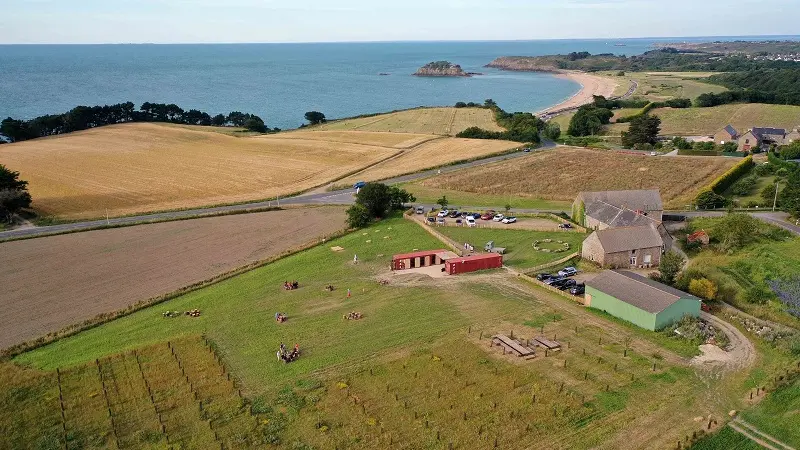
pixel 753 429
pixel 100 319
pixel 746 434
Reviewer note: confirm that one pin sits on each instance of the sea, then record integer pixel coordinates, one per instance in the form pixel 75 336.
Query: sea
pixel 280 82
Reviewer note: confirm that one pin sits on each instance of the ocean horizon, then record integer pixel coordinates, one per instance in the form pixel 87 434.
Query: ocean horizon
pixel 281 81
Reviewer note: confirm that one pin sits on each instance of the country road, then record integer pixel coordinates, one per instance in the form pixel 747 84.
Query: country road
pixel 340 197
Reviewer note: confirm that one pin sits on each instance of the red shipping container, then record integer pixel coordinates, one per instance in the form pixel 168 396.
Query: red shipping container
pixel 474 263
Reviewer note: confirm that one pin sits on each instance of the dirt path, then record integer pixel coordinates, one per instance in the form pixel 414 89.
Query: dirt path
pixel 754 434
pixel 740 354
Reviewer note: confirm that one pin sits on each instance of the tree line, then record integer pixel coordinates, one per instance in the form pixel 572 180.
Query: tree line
pixel 519 126
pixel 86 117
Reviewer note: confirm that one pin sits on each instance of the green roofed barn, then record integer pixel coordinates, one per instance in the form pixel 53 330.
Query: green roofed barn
pixel 639 300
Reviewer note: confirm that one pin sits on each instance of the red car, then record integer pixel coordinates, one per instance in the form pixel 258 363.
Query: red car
pixel 488 215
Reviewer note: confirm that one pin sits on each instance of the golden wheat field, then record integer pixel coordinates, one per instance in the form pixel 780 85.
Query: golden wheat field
pixel 381 139
pixel 433 153
pixel 442 121
pixel 561 174
pixel 133 168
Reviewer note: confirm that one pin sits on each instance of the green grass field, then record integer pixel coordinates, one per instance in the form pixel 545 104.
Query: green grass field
pixel 707 121
pixel 726 439
pixel 416 372
pixel 519 243
pixel 659 86
pixel 455 198
pixel 779 414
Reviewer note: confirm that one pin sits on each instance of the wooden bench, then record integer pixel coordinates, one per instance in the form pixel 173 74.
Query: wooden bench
pixel 547 343
pixel 513 346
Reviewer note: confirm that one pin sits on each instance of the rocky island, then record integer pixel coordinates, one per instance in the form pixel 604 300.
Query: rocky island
pixel 441 69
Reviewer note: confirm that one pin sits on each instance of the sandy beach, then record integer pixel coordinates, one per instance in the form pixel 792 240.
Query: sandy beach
pixel 590 85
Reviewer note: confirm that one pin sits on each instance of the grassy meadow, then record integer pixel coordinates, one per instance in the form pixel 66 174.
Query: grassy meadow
pixel 439 121
pixel 660 86
pixel 558 175
pixel 415 372
pixel 458 198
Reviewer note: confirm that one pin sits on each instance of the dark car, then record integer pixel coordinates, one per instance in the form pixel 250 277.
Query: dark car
pixel 565 226
pixel 578 289
pixel 430 220
pixel 543 276
pixel 552 281
pixel 455 213
pixel 476 216
pixel 567 284
pixel 359 185
pixel 465 214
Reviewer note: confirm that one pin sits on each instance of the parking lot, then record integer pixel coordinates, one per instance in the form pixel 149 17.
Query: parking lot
pixel 521 223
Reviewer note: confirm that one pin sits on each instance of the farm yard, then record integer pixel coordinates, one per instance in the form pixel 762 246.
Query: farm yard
pixel 560 174
pixel 108 270
pixel 415 371
pixel 141 167
pixel 440 121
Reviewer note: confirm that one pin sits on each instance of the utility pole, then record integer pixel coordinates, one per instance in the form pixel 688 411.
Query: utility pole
pixel 775 202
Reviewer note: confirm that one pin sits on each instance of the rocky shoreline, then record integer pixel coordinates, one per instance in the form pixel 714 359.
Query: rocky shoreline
pixel 441 69
pixel 524 64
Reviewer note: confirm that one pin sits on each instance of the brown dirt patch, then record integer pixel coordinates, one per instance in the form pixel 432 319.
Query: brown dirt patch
pixel 52 282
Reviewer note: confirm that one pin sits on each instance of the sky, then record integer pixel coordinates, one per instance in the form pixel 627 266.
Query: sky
pixel 229 21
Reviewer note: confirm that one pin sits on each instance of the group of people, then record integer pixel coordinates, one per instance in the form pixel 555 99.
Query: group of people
pixel 280 317
pixel 291 286
pixel 329 288
pixel 353 316
pixel 288 356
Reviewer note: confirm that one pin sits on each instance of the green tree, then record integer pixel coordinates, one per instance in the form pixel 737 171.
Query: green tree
pixel 443 202
pixel 315 117
pixel 399 197
pixel 358 216
pixel 734 231
pixel 508 208
pixel 768 194
pixel 588 120
pixel 671 264
pixel 219 120
pixel 489 103
pixel 709 199
pixel 643 129
pixel 376 198
pixel 255 124
pixel 14 194
pixel 552 131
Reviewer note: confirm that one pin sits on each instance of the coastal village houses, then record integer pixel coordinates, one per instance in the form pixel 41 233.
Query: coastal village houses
pixel 628 228
pixel 757 137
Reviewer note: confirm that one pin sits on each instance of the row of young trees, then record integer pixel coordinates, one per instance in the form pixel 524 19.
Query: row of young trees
pixel 85 117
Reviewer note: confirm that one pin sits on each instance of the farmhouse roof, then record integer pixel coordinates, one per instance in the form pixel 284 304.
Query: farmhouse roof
pixel 614 216
pixel 761 132
pixel 641 200
pixel 625 239
pixel 731 131
pixel 636 290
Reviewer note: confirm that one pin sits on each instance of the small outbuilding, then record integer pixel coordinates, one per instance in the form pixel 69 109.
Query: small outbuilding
pixel 474 263
pixel 639 300
pixel 424 258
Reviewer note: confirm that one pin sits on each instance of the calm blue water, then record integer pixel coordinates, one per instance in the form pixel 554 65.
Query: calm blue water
pixel 280 82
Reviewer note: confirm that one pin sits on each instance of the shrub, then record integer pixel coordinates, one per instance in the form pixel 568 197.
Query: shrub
pixel 708 199
pixel 703 288
pixel 768 193
pixel 744 186
pixel 764 170
pixel 758 294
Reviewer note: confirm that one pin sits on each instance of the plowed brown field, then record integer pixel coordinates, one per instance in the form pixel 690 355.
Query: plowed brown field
pixel 52 282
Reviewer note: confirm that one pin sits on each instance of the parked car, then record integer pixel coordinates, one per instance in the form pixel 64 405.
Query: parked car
pixel 653 153
pixel 476 216
pixel 487 216
pixel 553 280
pixel 567 272
pixel 359 184
pixel 430 220
pixel 470 221
pixel 498 217
pixel 543 276
pixel 578 289
pixel 420 210
pixel 565 226
pixel 510 219
pixel 569 283
pixel 443 213
pixel 464 214
pixel 559 283
pixel 440 221
pixel 526 150
pixel 455 213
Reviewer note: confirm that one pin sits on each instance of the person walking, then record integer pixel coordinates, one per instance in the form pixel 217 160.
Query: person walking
pixel 348 292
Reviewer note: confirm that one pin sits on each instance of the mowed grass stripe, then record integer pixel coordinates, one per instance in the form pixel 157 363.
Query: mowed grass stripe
pixel 441 121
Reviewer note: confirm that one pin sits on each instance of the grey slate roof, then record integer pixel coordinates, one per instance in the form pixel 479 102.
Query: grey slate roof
pixel 625 239
pixel 731 131
pixel 639 200
pixel 760 133
pixel 636 290
pixel 614 216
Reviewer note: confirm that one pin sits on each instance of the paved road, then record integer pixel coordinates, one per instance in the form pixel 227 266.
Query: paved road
pixel 341 197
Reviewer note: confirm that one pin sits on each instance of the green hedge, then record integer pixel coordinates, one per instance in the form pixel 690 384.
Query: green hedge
pixel 773 159
pixel 724 181
pixel 644 111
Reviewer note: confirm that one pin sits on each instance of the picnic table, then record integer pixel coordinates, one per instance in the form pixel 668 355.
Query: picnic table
pixel 547 343
pixel 513 346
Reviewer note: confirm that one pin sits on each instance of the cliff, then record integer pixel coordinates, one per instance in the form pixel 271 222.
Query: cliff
pixel 441 69
pixel 527 63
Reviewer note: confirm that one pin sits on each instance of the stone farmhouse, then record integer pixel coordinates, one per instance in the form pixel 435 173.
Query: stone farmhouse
pixel 625 247
pixel 757 137
pixel 628 228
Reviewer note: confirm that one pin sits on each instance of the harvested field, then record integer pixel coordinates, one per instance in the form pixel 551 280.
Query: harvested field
pixel 707 121
pixel 441 121
pixel 134 168
pixel 380 139
pixel 432 154
pixel 52 282
pixel 562 173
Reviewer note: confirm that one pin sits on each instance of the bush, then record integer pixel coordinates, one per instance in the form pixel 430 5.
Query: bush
pixel 461 105
pixel 764 170
pixel 703 288
pixel 757 294
pixel 768 193
pixel 708 199
pixel 744 186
